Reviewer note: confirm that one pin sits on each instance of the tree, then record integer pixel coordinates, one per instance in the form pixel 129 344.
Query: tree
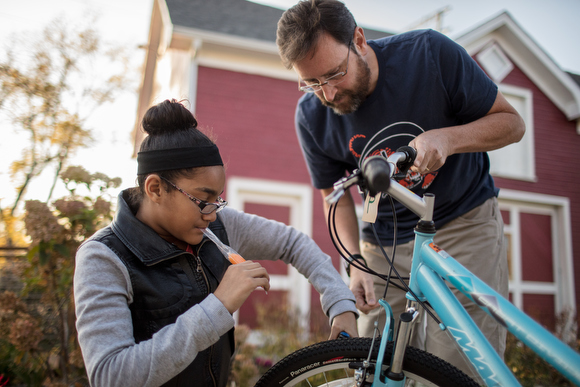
pixel 49 87
pixel 49 92
pixel 38 341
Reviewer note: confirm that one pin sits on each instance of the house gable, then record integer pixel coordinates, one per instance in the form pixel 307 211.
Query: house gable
pixel 529 57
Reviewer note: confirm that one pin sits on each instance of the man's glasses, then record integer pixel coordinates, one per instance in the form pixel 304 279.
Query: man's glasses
pixel 205 208
pixel 333 80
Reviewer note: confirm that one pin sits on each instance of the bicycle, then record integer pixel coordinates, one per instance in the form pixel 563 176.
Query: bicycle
pixel 388 361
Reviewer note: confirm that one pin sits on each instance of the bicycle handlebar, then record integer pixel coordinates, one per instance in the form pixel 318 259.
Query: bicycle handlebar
pixel 378 174
pixel 378 171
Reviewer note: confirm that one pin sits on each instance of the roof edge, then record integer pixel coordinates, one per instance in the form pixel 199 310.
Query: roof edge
pixel 538 65
pixel 228 40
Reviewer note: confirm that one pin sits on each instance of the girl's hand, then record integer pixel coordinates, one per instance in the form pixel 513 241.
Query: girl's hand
pixel 239 281
pixel 345 322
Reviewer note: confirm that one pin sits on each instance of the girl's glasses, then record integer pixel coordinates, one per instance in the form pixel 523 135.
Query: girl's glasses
pixel 205 208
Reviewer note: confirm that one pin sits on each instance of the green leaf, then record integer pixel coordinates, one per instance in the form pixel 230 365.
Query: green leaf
pixel 61 249
pixel 32 252
pixel 43 254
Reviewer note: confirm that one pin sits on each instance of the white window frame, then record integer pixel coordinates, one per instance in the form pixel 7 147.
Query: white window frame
pixel 298 197
pixel 562 287
pixel 502 160
pixel 495 62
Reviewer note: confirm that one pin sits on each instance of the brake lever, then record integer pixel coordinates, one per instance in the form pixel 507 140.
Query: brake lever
pixel 341 186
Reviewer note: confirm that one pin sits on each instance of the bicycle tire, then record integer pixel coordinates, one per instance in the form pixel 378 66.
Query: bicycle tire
pixel 322 361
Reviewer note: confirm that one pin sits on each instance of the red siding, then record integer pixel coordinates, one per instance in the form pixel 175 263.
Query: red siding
pixel 253 120
pixel 540 307
pixel 536 248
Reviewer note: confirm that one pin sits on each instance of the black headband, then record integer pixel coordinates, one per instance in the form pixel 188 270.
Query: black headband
pixel 178 158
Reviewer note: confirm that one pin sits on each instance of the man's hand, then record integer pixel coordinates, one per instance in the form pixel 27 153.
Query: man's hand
pixel 361 285
pixel 345 322
pixel 432 151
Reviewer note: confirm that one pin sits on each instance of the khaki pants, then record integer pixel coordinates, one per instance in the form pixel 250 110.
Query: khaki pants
pixel 476 241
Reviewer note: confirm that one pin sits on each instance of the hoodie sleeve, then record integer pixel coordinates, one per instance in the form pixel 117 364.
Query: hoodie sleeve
pixel 257 238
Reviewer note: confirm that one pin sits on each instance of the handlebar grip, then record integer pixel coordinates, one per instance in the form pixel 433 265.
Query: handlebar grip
pixel 410 152
pixel 406 162
pixel 376 173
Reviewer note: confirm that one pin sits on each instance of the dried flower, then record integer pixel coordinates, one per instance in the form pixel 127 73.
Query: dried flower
pixel 264 362
pixel 102 206
pixel 70 208
pixel 100 176
pixel 41 224
pixel 76 174
pixel 115 182
pixel 25 333
pixel 108 182
pixel 10 303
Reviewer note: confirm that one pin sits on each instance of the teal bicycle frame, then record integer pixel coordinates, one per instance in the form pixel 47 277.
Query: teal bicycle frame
pixel 431 267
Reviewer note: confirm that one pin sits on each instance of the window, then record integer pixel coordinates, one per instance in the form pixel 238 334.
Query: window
pixel 495 62
pixel 516 161
pixel 537 228
pixel 290 200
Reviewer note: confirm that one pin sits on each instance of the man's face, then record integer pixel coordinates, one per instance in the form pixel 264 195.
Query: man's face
pixel 329 58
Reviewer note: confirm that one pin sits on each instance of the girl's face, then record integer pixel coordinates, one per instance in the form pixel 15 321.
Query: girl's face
pixel 177 218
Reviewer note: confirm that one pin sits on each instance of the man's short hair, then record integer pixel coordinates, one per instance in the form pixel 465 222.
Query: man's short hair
pixel 300 27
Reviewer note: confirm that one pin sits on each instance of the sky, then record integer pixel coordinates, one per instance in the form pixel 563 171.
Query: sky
pixel 553 25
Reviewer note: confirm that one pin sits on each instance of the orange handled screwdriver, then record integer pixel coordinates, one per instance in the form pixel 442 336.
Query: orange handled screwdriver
pixel 229 253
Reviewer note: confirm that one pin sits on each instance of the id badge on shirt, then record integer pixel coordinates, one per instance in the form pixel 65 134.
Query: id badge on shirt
pixel 371 208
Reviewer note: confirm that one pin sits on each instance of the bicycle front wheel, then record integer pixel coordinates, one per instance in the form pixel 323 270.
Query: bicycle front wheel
pixel 332 364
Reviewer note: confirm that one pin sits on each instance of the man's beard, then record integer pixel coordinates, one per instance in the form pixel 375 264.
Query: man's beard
pixel 353 98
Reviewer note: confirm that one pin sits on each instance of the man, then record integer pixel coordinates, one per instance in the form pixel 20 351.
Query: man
pixel 418 89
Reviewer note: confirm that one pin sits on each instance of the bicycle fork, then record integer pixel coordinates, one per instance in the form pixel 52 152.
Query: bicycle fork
pixel 395 376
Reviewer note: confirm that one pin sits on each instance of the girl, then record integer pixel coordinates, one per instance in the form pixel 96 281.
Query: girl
pixel 154 297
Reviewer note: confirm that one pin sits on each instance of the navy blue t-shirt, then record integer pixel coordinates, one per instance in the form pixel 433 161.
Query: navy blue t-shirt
pixel 426 81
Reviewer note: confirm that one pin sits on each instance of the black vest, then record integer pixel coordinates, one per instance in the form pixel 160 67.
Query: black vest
pixel 165 289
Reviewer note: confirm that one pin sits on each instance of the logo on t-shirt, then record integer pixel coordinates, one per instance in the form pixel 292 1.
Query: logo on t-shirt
pixel 385 142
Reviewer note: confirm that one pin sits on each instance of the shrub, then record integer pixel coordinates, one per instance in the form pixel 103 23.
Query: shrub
pixel 278 333
pixel 38 344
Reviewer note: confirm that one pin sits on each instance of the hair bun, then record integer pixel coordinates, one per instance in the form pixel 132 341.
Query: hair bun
pixel 168 117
